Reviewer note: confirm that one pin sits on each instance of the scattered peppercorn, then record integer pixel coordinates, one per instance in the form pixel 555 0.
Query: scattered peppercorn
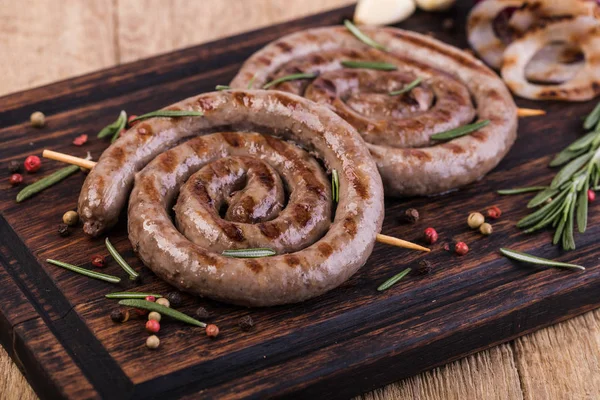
pixel 591 195
pixel 486 229
pixel 163 302
pixel 151 298
pixel 246 323
pixel 16 179
pixel 461 248
pixel 119 315
pixel 98 261
pixel 63 230
pixel 175 298
pixel 37 119
pixel 80 140
pixel 446 246
pixel 152 342
pixel 71 218
pixel 424 268
pixel 32 163
pixel 153 315
pixel 153 326
pixel 202 314
pixel 475 220
pixel 411 215
pixel 494 212
pixel 212 331
pixel 14 167
pixel 431 235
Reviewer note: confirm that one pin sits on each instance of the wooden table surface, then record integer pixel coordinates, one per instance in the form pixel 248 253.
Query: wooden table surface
pixel 41 43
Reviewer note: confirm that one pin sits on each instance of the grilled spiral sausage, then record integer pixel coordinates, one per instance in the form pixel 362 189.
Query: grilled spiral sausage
pixel 228 185
pixel 397 129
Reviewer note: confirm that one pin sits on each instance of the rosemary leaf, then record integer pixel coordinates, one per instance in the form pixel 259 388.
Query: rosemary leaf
pixel 291 77
pixel 86 272
pixel 460 131
pixel 121 261
pixel 251 82
pixel 382 66
pixel 539 215
pixel 407 88
pixel 169 114
pixel 335 186
pixel 46 182
pixel 115 127
pixel 582 208
pixel 568 239
pixel 541 197
pixel 524 257
pixel 249 253
pixel 522 190
pixel 131 295
pixel 593 118
pixel 569 170
pixel 565 156
pixel 222 87
pixel 559 231
pixel 362 37
pixel 393 280
pixel 169 312
pixel 583 142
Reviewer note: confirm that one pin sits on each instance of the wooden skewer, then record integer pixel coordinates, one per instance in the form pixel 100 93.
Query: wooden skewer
pixel 529 112
pixel 54 155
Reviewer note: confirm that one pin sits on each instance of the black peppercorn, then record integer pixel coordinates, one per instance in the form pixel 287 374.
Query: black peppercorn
pixel 175 299
pixel 424 268
pixel 411 215
pixel 202 314
pixel 119 315
pixel 246 323
pixel 63 230
pixel 14 167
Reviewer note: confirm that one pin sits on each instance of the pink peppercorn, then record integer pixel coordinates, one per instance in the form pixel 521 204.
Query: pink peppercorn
pixel 461 248
pixel 151 298
pixel 152 326
pixel 591 195
pixel 431 235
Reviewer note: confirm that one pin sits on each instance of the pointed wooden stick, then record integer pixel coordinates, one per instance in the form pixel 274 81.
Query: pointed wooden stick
pixel 529 112
pixel 53 155
pixel 82 162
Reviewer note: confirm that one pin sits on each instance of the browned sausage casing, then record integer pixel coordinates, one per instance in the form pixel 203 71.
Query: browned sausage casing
pixel 235 185
pixel 397 129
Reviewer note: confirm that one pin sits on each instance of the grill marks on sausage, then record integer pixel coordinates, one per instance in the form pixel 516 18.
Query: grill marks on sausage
pixel 350 226
pixel 168 161
pixel 254 265
pixel 270 230
pixel 118 156
pixel 325 249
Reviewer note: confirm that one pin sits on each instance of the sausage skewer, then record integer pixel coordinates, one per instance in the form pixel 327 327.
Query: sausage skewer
pixel 82 162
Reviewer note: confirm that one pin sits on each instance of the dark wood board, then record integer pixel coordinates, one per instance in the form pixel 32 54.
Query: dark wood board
pixel 55 324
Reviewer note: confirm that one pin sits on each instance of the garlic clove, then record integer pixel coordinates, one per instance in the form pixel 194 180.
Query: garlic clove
pixel 383 12
pixel 435 5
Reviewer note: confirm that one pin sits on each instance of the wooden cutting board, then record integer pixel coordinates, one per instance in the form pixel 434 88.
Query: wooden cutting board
pixel 56 325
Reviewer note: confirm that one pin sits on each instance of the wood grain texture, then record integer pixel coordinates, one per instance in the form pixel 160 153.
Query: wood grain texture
pixel 491 374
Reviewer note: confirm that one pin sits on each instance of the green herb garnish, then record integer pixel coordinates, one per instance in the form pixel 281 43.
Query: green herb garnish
pixel 251 82
pixel 393 280
pixel 169 312
pixel 131 295
pixel 369 65
pixel 121 261
pixel 169 114
pixel 460 131
pixel 222 87
pixel 592 119
pixel 46 182
pixel 335 186
pixel 291 77
pixel 115 128
pixel 362 37
pixel 86 272
pixel 407 88
pixel 524 257
pixel 522 190
pixel 249 253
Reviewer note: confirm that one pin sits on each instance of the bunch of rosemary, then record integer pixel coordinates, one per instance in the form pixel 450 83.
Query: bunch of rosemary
pixel 565 201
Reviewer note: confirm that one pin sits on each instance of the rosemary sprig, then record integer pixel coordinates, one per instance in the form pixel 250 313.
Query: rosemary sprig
pixel 382 66
pixel 169 114
pixel 460 131
pixel 407 88
pixel 522 190
pixel 46 182
pixel 249 253
pixel 169 312
pixel 335 186
pixel 115 128
pixel 524 257
pixel 222 87
pixel 86 272
pixel 393 280
pixel 291 77
pixel 121 261
pixel 592 119
pixel 565 202
pixel 131 295
pixel 362 37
